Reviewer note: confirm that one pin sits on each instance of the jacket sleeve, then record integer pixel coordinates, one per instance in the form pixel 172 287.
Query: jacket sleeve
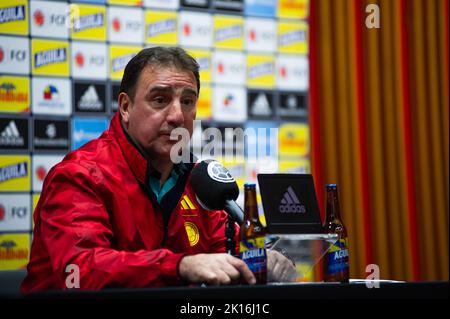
pixel 76 230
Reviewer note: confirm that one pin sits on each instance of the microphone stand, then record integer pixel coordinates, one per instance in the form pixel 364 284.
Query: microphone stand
pixel 235 214
pixel 230 243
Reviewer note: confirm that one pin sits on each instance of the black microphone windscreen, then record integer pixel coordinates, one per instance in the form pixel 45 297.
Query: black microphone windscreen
pixel 213 184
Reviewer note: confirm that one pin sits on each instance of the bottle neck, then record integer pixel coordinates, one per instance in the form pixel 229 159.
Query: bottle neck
pixel 332 205
pixel 250 205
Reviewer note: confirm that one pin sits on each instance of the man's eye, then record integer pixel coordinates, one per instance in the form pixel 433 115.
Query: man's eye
pixel 160 100
pixel 188 102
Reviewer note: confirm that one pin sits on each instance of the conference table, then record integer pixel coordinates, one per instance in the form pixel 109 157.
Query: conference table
pixel 320 290
pixel 250 301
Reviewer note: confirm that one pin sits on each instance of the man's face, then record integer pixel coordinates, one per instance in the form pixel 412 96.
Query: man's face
pixel 165 98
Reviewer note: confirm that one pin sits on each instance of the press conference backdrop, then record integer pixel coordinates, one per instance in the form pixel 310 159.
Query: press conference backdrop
pixel 61 64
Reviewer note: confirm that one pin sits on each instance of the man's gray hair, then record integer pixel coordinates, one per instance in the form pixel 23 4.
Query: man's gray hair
pixel 159 57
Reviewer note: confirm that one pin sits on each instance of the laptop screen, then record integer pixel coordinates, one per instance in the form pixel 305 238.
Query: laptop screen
pixel 290 203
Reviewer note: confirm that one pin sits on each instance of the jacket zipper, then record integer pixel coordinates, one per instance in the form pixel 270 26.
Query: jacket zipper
pixel 165 222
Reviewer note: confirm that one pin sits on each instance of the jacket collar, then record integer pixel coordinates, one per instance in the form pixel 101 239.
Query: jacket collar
pixel 134 158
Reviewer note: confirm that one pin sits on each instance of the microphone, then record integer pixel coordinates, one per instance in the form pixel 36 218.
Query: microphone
pixel 216 189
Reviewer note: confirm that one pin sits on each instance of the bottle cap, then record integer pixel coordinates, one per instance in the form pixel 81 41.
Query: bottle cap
pixel 331 186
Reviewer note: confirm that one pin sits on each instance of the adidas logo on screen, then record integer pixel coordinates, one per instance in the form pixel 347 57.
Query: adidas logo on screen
pixel 11 135
pixel 261 105
pixel 290 203
pixel 89 100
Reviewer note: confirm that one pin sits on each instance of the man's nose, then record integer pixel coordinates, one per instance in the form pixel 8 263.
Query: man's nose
pixel 175 117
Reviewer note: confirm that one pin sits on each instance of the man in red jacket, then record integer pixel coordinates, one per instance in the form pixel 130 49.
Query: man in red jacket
pixel 118 212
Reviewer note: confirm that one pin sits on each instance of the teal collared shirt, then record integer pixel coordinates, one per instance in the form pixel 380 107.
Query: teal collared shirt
pixel 155 176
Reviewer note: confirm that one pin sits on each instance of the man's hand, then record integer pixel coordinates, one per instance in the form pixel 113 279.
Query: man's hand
pixel 280 268
pixel 215 269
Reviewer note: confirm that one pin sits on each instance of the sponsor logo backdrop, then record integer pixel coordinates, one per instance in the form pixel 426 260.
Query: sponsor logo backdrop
pixel 61 63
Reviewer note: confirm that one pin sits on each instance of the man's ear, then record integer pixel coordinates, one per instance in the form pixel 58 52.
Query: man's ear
pixel 125 105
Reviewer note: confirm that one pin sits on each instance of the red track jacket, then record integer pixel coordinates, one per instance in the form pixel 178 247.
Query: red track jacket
pixel 95 212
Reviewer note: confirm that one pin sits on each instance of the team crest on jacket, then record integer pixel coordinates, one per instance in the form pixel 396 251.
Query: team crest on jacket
pixel 192 233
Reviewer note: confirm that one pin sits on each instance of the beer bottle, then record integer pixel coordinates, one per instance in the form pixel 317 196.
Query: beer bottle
pixel 335 262
pixel 252 236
